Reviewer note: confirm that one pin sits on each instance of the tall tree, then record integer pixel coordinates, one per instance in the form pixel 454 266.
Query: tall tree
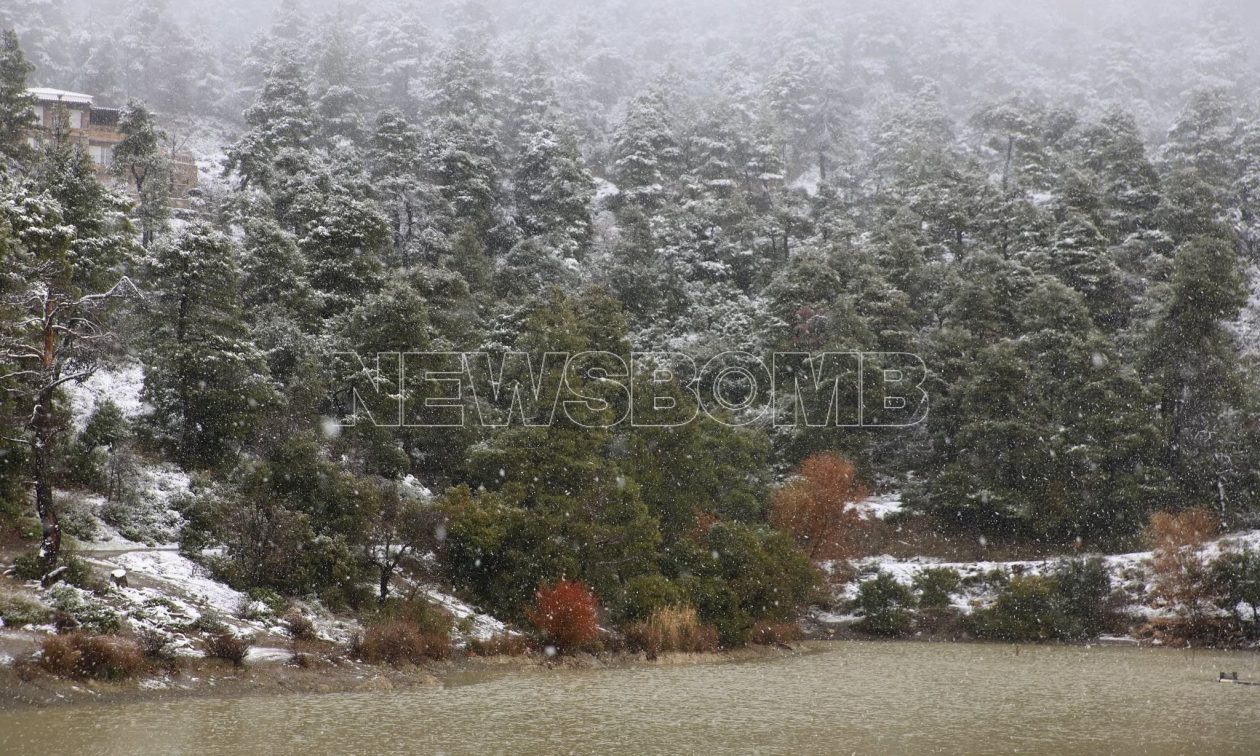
pixel 1193 358
pixel 554 192
pixel 205 379
pixel 55 332
pixel 139 160
pixel 17 107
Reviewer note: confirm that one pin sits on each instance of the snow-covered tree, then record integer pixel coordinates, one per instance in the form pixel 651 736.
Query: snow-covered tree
pixel 204 378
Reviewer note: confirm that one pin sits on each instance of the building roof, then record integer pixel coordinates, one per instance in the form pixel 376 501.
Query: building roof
pixel 44 94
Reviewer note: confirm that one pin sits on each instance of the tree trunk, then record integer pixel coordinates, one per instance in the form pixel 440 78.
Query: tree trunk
pixel 387 572
pixel 1006 168
pixel 45 507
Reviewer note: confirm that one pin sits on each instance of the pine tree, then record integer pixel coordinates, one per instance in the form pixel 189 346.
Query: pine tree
pixel 1204 140
pixel 342 244
pixel 556 504
pixel 469 259
pixel 103 246
pixel 138 159
pixel 395 166
pixel 1080 259
pixel 462 158
pixel 53 331
pixel 280 121
pixel 274 282
pixel 644 151
pixel 1113 150
pixel 532 101
pixel 205 379
pixel 1193 359
pixel 554 192
pixel 17 108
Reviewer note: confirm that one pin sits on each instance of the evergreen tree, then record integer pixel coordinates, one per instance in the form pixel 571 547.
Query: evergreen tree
pixel 280 123
pixel 53 330
pixel 205 379
pixel 342 246
pixel 17 108
pixel 461 158
pixel 394 164
pixel 273 281
pixel 1204 140
pixel 553 192
pixel 103 245
pixel 645 153
pixel 139 161
pixel 1194 361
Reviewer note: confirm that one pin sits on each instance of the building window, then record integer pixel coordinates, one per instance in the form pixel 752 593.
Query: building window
pixel 76 118
pixel 102 154
pixel 39 114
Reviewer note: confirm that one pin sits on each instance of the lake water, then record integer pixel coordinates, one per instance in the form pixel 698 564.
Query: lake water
pixel 853 697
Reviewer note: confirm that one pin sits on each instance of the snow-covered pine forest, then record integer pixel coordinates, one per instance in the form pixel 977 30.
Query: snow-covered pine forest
pixel 1053 204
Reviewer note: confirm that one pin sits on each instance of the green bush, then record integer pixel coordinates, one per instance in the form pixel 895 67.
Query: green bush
pixel 76 572
pixel 1026 610
pixel 1073 602
pixel 935 586
pixel 884 605
pixel 644 594
pixel 275 603
pixel 87 612
pixel 1236 582
pixel 739 574
pixel 719 605
pixel 1084 597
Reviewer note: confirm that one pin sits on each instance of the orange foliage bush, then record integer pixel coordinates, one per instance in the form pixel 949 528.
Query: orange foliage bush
pixel 1181 577
pixel 566 614
pixel 815 508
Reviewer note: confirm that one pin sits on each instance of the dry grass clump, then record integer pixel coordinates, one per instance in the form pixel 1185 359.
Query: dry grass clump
pixel 409 631
pixel 499 644
pixel 672 628
pixel 99 657
pixel 227 646
pixel 396 641
pixel 299 626
pixel 17 610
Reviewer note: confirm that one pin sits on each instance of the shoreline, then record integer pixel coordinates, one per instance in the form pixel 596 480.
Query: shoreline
pixel 214 679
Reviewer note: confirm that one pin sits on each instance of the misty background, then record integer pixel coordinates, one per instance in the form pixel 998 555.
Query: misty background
pixel 207 57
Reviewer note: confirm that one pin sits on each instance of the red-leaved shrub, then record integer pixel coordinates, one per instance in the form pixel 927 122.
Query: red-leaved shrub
pixel 566 614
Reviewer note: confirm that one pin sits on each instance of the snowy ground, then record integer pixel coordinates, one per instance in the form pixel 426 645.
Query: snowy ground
pixel 880 505
pixel 169 592
pixel 474 624
pixel 1127 571
pixel 122 385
